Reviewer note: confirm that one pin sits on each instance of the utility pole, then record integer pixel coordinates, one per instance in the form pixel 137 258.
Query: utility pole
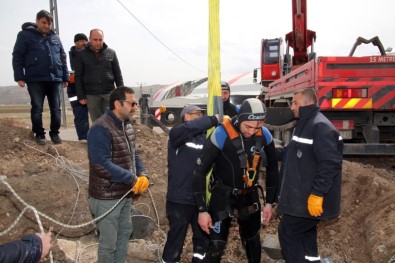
pixel 53 6
pixel 141 87
pixel 143 103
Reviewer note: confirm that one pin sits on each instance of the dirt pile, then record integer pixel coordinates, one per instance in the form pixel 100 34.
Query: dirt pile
pixel 53 180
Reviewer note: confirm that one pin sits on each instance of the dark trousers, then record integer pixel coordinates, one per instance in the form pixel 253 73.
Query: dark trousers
pixel 298 239
pixel 38 91
pixel 81 119
pixel 180 216
pixel 249 228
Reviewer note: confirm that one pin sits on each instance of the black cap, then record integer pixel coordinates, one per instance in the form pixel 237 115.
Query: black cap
pixel 80 36
pixel 252 110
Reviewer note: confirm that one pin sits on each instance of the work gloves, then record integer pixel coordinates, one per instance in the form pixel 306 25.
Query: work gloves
pixel 141 185
pixel 314 205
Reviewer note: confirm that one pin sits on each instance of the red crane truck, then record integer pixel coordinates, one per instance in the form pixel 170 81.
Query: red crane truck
pixel 357 94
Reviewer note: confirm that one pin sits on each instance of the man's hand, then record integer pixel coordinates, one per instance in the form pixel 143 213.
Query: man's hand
pixel 65 84
pixel 314 205
pixel 21 83
pixel 141 185
pixel 205 222
pixel 46 240
pixel 267 214
pixel 83 101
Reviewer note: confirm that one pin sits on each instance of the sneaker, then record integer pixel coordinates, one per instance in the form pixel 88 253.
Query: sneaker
pixel 40 139
pixel 55 138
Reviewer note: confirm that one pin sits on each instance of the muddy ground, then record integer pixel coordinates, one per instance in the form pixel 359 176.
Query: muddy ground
pixel 52 179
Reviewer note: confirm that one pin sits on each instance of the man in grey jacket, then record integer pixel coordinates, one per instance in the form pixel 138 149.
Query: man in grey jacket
pixel 96 71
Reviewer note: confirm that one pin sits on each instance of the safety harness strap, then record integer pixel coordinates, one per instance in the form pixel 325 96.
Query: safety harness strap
pixel 234 136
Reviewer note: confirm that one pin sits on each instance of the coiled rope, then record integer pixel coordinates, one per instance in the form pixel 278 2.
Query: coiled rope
pixel 76 172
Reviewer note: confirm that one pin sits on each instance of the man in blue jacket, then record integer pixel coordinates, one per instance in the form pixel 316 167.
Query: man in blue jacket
pixel 185 142
pixel 30 248
pixel 311 179
pixel 39 60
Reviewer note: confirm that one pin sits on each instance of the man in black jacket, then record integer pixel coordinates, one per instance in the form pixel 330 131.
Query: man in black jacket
pixel 311 179
pixel 229 108
pixel 185 142
pixel 96 71
pixel 80 111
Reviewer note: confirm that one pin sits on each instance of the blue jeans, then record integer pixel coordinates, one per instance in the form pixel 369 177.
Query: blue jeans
pixel 37 92
pixel 81 119
pixel 97 105
pixel 115 229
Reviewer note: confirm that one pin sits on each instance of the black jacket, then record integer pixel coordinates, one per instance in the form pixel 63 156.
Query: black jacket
pixel 229 108
pixel 312 165
pixel 26 250
pixel 96 73
pixel 38 58
pixel 71 92
pixel 185 143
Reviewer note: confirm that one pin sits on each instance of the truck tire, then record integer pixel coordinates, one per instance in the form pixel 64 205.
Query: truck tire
pixel 279 116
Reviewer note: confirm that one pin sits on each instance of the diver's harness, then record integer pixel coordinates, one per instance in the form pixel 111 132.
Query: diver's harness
pixel 250 172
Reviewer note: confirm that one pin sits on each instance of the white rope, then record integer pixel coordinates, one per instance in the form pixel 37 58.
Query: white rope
pixel 76 172
pixel 56 221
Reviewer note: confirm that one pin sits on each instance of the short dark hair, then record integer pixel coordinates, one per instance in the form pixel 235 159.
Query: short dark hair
pixel 119 94
pixel 44 14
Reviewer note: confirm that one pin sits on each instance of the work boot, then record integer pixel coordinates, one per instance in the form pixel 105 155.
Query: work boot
pixel 55 138
pixel 40 139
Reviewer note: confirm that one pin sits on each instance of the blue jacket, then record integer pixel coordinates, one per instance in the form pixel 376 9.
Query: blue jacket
pixel 38 58
pixel 28 250
pixel 312 165
pixel 114 163
pixel 185 142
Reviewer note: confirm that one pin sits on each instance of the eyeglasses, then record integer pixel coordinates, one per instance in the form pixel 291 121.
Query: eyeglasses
pixel 132 103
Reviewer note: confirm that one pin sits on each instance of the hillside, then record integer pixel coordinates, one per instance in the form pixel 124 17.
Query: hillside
pixel 53 180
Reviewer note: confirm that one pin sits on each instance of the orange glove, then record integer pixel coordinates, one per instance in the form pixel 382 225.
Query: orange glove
pixel 314 205
pixel 141 184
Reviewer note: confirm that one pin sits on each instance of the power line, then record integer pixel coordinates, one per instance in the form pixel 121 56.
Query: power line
pixel 152 34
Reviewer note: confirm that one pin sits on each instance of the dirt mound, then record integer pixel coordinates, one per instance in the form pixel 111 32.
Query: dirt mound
pixel 53 179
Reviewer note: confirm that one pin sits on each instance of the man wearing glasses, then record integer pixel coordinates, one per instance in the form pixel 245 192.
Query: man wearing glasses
pixel 115 169
pixel 235 152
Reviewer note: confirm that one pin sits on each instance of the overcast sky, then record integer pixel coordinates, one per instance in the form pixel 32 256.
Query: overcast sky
pixel 182 25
